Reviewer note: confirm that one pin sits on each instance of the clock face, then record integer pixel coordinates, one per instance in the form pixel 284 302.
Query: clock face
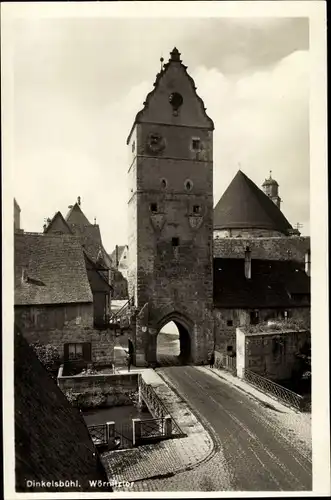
pixel 155 142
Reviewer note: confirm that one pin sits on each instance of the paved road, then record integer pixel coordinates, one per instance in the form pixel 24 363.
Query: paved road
pixel 256 455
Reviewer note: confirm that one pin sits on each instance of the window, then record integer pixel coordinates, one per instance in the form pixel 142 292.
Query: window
pixel 229 348
pixel 133 146
pixel 196 144
pixel 229 322
pixel 284 315
pixel 188 185
pixel 196 209
pixel 254 317
pixel 163 183
pixel 175 242
pixel 153 207
pixel 76 352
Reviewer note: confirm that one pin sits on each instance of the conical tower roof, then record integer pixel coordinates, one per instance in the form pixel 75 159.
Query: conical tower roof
pixel 244 205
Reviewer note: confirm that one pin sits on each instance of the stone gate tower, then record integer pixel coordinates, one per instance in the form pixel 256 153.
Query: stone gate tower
pixel 171 217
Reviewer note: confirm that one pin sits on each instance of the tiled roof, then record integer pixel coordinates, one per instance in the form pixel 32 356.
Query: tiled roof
pixel 54 269
pixel 51 439
pixel 272 284
pixel 244 205
pixel 58 224
pixel 89 235
pixel 76 216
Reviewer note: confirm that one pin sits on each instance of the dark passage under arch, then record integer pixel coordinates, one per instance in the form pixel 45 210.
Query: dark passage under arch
pixel 173 345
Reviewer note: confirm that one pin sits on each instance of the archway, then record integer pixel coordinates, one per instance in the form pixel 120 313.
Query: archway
pixel 173 344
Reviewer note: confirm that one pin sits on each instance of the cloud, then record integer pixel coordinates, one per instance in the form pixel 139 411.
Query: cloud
pixel 75 103
pixel 261 124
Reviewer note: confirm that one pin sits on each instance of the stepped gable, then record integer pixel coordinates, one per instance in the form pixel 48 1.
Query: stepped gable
pixel 52 442
pixel 174 69
pixel 50 269
pixel 244 205
pixel 273 283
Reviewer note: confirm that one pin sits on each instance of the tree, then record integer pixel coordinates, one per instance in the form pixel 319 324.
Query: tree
pixel 48 355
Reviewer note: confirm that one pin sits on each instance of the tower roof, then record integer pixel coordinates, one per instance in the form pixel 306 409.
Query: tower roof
pixel 172 81
pixel 244 205
pixel 270 181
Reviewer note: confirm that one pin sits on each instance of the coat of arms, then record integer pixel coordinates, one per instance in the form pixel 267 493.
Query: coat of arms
pixel 195 221
pixel 158 221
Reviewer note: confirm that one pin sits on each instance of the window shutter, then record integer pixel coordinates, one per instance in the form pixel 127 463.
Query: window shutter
pixel 87 355
pixel 66 352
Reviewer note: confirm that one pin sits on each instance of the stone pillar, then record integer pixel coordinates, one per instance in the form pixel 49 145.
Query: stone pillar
pixel 110 431
pixel 136 430
pixel 167 426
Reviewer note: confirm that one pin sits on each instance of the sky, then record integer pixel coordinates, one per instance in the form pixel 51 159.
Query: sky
pixel 79 82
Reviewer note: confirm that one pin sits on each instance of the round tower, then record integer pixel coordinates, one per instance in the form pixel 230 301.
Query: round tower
pixel 270 188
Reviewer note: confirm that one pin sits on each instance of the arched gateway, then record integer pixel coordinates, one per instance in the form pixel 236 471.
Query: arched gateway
pixel 171 217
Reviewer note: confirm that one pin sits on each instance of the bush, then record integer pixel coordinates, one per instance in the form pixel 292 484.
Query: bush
pixel 48 355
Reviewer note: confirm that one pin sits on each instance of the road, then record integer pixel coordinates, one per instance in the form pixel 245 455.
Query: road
pixel 257 455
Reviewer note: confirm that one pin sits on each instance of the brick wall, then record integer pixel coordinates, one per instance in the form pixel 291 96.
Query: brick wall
pixel 286 248
pixel 115 390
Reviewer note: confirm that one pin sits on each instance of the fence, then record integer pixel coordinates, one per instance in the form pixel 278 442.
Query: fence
pixel 225 362
pixel 156 406
pixel 98 434
pixel 285 395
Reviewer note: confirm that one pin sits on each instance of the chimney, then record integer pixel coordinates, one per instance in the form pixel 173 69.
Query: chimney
pixel 116 254
pixel 248 264
pixel 307 262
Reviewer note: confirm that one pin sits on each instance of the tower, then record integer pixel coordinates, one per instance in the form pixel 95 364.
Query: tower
pixel 270 188
pixel 171 216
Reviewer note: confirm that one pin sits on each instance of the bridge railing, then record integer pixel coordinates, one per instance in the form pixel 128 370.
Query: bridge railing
pixel 157 407
pixel 287 396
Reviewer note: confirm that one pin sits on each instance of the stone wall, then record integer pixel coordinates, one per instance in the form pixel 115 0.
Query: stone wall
pixel 99 390
pixel 271 353
pixel 225 334
pixel 102 341
pixel 286 248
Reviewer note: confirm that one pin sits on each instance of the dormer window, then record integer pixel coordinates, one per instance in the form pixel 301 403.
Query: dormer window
pixel 153 208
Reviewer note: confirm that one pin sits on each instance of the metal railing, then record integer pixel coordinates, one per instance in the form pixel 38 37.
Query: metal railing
pixel 152 428
pixel 226 362
pixel 156 406
pixel 124 310
pixel 98 434
pixel 287 396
